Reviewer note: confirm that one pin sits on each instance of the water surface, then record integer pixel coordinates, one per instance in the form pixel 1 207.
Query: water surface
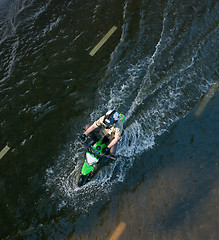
pixel 155 69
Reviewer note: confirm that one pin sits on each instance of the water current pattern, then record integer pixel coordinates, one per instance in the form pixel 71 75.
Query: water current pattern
pixel 155 69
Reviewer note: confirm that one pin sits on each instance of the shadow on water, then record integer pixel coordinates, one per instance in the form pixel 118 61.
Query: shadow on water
pixel 194 154
pixel 180 176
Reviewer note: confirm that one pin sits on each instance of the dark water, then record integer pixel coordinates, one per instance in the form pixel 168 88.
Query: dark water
pixel 155 68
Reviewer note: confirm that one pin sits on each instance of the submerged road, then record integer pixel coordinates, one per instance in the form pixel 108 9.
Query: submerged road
pixel 159 67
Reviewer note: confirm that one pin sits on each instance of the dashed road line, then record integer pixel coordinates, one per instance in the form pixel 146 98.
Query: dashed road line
pixel 119 230
pixel 206 99
pixel 102 41
pixel 4 151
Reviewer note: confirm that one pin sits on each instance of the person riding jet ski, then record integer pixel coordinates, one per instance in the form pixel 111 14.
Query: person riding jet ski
pixel 111 126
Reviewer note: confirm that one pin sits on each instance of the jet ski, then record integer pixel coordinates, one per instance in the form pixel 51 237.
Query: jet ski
pixel 94 159
pixel 94 156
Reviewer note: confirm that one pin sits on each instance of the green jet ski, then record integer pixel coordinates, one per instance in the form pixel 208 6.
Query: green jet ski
pixel 94 157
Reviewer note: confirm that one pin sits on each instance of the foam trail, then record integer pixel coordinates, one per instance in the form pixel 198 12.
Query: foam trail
pixel 147 81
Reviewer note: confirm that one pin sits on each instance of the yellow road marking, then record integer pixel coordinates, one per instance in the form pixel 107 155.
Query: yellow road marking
pixel 206 99
pixel 119 230
pixel 4 151
pixel 102 41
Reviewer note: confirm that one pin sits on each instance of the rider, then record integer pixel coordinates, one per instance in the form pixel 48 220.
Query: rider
pixel 111 126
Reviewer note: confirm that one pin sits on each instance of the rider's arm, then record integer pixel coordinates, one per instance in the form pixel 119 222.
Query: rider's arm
pixel 90 129
pixel 116 138
pixel 95 125
pixel 113 142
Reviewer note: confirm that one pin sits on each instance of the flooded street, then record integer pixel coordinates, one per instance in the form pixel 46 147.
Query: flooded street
pixel 157 64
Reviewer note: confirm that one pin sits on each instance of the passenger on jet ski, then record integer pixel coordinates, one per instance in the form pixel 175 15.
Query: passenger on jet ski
pixel 111 126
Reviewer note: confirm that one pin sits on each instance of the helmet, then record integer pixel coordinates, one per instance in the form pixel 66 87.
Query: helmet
pixel 112 116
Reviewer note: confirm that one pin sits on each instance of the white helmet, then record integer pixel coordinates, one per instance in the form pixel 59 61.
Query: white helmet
pixel 112 116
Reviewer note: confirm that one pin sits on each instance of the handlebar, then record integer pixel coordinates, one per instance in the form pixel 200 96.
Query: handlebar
pixel 89 146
